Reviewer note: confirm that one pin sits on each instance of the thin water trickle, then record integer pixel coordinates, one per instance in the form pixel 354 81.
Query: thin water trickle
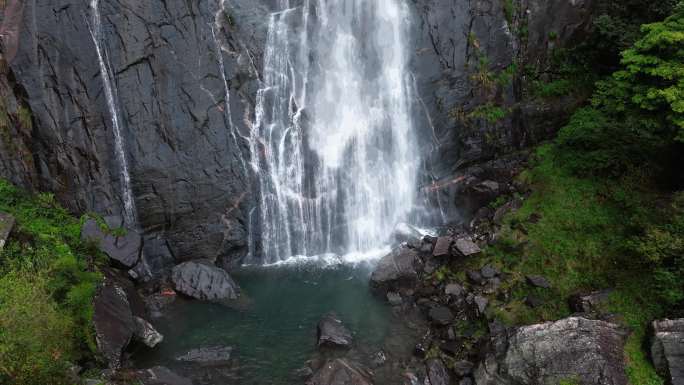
pixel 97 35
pixel 333 143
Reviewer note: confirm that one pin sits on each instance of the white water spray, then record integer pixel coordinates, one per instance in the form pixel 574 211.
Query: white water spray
pixel 333 142
pixel 119 143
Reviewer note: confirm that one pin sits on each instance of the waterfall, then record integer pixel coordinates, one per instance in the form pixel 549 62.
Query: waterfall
pixel 97 35
pixel 333 143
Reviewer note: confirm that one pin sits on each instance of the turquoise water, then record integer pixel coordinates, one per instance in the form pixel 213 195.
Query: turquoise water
pixel 273 328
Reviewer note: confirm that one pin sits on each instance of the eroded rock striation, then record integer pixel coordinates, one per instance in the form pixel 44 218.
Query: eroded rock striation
pixel 589 352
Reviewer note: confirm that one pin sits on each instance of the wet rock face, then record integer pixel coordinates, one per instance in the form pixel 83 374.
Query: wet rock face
pixel 202 280
pixel 667 349
pixel 187 174
pixel 587 351
pixel 333 333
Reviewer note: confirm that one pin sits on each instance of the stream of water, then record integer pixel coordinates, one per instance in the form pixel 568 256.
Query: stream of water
pixel 96 33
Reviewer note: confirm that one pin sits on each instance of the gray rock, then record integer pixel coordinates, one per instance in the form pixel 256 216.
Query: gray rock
pixel 538 281
pixel 454 289
pixel 480 304
pixel 442 247
pixel 395 271
pixel 6 225
pixel 667 349
pixel 467 247
pixel 590 303
pixel 466 381
pixel 122 249
pixel 394 298
pixel 475 277
pixel 208 355
pixel 489 271
pixel 115 305
pixel 441 315
pixel 202 280
pixel 146 333
pixel 590 351
pixel 333 333
pixel 341 371
pixel 437 372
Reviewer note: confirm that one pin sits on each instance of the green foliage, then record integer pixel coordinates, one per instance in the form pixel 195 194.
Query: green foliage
pixel 46 245
pixel 35 336
pixel 489 112
pixel 593 234
pixel 637 115
pixel 509 9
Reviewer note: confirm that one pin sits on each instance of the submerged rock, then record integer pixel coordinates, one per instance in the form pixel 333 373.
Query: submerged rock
pixel 588 351
pixel 202 280
pixel 332 333
pixel 395 271
pixel 341 372
pixel 124 249
pixel 158 375
pixel 208 355
pixel 667 349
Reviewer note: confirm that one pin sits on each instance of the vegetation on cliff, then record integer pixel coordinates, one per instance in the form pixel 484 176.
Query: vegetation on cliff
pixel 47 283
pixel 606 208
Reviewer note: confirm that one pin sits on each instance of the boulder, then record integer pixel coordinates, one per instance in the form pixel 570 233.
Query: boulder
pixel 201 279
pixel 454 289
pixel 466 247
pixel 441 315
pixel 115 304
pixel 341 372
pixel 332 333
pixel 590 352
pixel 6 225
pixel 146 333
pixel 437 372
pixel 208 355
pixel 442 247
pixel 538 281
pixel 667 349
pixel 124 249
pixel 463 368
pixel 395 271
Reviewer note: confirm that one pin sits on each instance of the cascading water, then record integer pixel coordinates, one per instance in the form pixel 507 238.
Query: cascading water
pixel 97 35
pixel 333 143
